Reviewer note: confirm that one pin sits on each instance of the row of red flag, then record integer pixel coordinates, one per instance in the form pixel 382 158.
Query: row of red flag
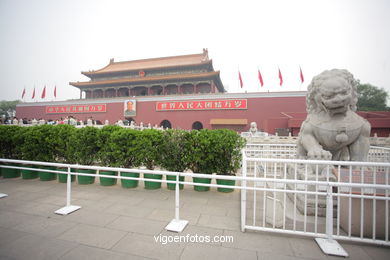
pixel 261 77
pixel 43 95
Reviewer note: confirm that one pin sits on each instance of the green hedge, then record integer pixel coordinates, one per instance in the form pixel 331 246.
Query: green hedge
pixel 204 151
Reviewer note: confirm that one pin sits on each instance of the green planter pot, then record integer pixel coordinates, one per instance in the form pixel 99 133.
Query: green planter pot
pixel 85 179
pixel 201 180
pixel 47 176
pixel 129 183
pixel 149 185
pixel 172 186
pixel 107 181
pixel 63 177
pixel 226 182
pixel 10 173
pixel 29 174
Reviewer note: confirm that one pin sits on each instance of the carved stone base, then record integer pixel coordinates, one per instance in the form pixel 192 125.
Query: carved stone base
pixel 311 200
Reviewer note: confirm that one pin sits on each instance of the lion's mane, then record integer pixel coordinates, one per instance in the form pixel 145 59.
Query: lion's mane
pixel 316 83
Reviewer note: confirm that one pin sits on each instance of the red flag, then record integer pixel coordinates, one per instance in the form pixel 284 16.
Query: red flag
pixel 260 78
pixel 301 74
pixel 43 93
pixel 55 91
pixel 33 95
pixel 280 78
pixel 240 78
pixel 24 92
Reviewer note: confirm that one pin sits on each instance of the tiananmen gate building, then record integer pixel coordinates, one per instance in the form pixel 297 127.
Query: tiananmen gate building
pixel 180 92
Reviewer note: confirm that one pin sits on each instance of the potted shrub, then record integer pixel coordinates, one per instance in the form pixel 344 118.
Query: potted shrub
pixel 202 158
pixel 38 146
pixel 228 147
pixel 106 155
pixel 19 141
pixel 148 144
pixel 174 155
pixel 61 140
pixel 83 150
pixel 9 149
pixel 123 146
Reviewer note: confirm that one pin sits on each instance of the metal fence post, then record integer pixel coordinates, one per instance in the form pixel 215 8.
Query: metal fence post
pixel 176 224
pixel 68 187
pixel 243 192
pixel 3 195
pixel 68 208
pixel 328 245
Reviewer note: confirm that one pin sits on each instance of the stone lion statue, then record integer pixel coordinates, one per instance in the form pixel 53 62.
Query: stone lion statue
pixel 253 128
pixel 332 129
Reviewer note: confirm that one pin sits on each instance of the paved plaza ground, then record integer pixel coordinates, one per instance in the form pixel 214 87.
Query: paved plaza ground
pixel 116 223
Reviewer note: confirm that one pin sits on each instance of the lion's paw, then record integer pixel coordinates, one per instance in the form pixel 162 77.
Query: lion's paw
pixel 319 154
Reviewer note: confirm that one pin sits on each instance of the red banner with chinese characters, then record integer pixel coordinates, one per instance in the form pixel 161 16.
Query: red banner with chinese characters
pixel 202 105
pixel 76 109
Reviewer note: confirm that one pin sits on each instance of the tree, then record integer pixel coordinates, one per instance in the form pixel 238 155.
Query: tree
pixel 7 108
pixel 371 98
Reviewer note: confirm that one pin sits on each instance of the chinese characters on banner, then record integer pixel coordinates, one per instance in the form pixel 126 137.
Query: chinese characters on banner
pixel 76 109
pixel 202 105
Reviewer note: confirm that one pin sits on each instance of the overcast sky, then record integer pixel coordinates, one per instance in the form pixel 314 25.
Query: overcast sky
pixel 51 42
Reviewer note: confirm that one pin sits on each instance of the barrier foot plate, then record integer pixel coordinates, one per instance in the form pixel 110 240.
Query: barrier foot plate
pixel 67 210
pixel 177 225
pixel 331 247
pixel 3 195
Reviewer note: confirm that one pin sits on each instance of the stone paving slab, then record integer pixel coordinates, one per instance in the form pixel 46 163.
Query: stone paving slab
pixel 260 243
pixel 93 236
pixel 47 227
pixel 138 225
pixel 10 219
pixel 9 235
pixel 167 215
pixel 205 251
pixel 117 223
pixel 91 217
pixel 36 247
pixel 129 210
pixel 158 204
pixel 87 252
pixel 92 205
pixel 146 246
pixel 27 196
pixel 39 209
pixel 133 198
pixel 221 222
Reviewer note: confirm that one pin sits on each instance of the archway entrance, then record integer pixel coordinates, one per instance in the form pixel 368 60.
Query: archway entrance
pixel 197 125
pixel 166 124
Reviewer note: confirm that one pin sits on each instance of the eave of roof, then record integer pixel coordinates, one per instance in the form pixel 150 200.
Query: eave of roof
pixel 153 63
pixel 146 79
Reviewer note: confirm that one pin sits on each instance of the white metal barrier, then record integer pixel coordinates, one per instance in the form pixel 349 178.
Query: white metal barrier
pixel 322 199
pixel 288 151
pixel 271 150
pixel 311 198
pixel 176 225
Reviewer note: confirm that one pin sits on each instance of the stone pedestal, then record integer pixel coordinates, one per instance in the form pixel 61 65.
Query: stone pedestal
pixel 311 201
pixel 368 217
pixel 365 176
